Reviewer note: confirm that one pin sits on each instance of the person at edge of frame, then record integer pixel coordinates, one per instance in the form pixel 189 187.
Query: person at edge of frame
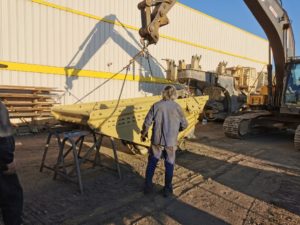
pixel 168 120
pixel 11 193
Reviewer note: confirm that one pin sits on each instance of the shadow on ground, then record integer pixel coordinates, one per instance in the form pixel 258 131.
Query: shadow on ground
pixel 279 188
pixel 106 199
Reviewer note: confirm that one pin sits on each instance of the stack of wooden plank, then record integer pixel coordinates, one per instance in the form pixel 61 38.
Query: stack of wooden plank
pixel 28 104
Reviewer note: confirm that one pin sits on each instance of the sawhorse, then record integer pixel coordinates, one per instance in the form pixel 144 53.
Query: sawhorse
pixel 75 139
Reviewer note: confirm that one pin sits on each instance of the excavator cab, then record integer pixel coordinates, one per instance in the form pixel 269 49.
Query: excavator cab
pixel 291 96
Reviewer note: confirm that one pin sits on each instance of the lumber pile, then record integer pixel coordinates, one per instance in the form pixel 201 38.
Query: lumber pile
pixel 27 105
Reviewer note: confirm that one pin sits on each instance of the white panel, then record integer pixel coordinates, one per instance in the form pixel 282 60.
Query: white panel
pixel 37 34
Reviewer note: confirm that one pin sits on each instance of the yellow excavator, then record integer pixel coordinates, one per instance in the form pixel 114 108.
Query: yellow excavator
pixel 283 107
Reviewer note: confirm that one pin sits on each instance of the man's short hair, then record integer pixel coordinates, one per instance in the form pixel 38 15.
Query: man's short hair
pixel 169 93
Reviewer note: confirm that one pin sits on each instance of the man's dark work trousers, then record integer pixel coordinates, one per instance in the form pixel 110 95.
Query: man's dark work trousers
pixel 169 176
pixel 152 162
pixel 11 199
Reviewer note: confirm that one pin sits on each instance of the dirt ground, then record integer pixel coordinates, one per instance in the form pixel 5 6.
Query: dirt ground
pixel 217 181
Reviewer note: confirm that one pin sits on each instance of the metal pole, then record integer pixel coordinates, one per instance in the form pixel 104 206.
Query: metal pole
pixel 270 79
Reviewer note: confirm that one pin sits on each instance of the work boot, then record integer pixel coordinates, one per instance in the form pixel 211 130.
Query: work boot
pixel 152 162
pixel 168 189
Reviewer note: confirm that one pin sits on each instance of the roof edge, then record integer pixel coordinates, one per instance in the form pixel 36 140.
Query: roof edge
pixel 221 21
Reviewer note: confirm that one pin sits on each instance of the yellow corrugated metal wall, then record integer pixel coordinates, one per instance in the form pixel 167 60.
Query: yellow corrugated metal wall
pixel 43 40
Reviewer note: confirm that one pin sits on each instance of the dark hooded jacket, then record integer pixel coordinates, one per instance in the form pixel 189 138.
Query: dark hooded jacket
pixel 7 143
pixel 5 126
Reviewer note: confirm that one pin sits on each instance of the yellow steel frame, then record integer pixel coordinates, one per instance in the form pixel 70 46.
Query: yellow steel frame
pixel 124 119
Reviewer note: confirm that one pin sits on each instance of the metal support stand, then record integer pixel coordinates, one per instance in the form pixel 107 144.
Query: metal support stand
pixel 75 140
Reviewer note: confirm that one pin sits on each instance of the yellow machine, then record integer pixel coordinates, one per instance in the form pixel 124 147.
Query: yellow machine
pixel 254 85
pixel 124 119
pixel 230 89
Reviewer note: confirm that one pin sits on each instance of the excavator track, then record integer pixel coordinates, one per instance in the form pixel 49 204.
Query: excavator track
pixel 239 126
pixel 297 138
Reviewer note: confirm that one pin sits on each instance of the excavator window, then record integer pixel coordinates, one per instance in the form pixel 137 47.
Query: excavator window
pixel 292 95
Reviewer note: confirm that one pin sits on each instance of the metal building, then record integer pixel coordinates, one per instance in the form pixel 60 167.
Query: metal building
pixel 79 45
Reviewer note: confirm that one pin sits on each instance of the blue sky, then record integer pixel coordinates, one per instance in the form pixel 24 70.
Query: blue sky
pixel 236 12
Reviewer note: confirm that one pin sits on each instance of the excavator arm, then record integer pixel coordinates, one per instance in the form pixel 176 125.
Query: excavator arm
pixel 269 13
pixel 276 23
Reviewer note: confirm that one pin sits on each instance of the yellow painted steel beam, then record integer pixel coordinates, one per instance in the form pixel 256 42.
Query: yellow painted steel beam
pixel 84 14
pixel 124 120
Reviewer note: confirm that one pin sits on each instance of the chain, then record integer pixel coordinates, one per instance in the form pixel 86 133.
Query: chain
pixel 114 75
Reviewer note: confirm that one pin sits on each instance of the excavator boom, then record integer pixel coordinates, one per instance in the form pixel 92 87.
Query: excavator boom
pixel 276 23
pixel 269 13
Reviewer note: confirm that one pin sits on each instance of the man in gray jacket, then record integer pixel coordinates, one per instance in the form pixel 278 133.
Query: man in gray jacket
pixel 168 120
pixel 11 193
